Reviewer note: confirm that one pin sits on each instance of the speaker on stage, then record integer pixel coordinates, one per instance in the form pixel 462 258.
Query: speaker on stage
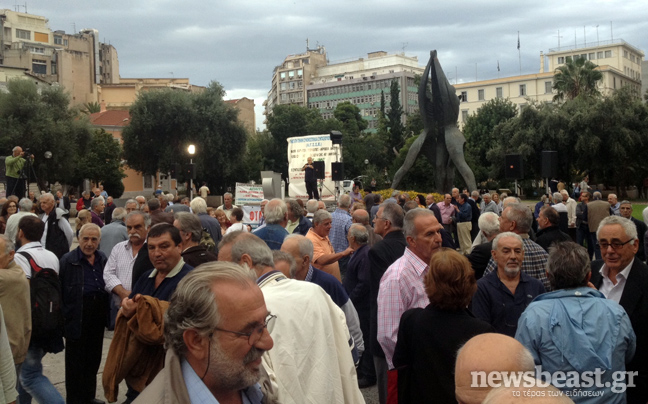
pixel 318 166
pixel 513 167
pixel 549 164
pixel 337 171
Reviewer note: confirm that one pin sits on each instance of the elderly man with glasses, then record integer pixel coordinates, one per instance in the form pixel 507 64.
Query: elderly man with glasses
pixel 621 277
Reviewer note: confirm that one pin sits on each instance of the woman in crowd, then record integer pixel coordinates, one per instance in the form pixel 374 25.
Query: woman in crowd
pixel 222 219
pixel 428 339
pixel 9 208
pixel 83 217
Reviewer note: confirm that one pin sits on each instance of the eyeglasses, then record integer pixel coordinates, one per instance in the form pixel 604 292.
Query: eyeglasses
pixel 615 244
pixel 255 335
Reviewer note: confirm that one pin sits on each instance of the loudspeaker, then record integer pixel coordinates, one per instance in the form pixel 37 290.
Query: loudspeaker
pixel 513 169
pixel 189 171
pixel 549 164
pixel 337 171
pixel 336 137
pixel 318 166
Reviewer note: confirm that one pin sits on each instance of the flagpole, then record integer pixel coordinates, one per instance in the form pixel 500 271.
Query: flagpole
pixel 519 54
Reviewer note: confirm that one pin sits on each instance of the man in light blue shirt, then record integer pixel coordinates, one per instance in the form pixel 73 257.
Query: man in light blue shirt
pixel 215 330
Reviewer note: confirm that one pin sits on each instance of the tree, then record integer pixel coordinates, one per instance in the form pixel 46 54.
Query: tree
pixel 101 162
pixel 355 148
pixel 394 117
pixel 480 136
pixel 576 77
pixel 91 108
pixel 163 124
pixel 41 121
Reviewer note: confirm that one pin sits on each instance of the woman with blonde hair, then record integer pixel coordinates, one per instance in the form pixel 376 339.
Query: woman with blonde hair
pixel 428 339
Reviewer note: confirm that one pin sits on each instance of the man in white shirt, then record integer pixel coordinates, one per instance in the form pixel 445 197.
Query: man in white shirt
pixel 25 206
pixel 30 230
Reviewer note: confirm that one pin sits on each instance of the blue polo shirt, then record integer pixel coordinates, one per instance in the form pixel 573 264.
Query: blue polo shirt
pixel 494 303
pixel 146 283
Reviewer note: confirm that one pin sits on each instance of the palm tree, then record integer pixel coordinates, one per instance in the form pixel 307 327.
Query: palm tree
pixel 91 108
pixel 576 77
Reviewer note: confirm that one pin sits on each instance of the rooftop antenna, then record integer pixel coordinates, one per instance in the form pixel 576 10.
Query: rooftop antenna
pixel 597 37
pixel 307 45
pixel 404 46
pixel 559 36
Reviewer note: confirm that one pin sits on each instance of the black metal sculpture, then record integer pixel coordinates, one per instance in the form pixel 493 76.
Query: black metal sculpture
pixel 441 141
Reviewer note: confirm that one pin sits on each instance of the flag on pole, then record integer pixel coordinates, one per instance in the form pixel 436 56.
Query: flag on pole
pixel 518 40
pixel 498 66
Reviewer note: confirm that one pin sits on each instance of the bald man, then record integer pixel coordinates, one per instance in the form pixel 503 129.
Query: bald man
pixel 488 353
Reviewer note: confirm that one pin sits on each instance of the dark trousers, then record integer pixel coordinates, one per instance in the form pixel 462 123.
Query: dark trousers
pixel 597 249
pixel 83 356
pixel 311 189
pixel 366 370
pixel 15 186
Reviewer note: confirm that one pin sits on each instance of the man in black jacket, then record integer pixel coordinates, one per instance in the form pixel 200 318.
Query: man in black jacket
pixel 623 278
pixel 625 209
pixel 388 224
pixel 549 230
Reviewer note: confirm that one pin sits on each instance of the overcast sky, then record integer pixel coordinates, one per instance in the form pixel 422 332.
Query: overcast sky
pixel 238 42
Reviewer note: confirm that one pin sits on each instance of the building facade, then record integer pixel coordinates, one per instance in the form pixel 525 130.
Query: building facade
pixel 78 62
pixel 619 62
pixel 246 115
pixel 362 82
pixel 289 79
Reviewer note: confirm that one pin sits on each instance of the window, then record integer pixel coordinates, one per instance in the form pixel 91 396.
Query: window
pixel 548 87
pixel 300 72
pixel 148 181
pixel 58 40
pixel 283 86
pixel 37 49
pixel 291 74
pixel 464 96
pixel 39 66
pixel 498 92
pixel 292 85
pixel 614 81
pixel 625 54
pixel 54 69
pixel 282 75
pixel 561 59
pixel 592 56
pixel 632 58
pixel 22 34
pixel 608 53
pixel 584 56
pixel 522 90
pixel 568 59
pixel 480 95
pixel 464 115
pixel 522 107
pixel 599 55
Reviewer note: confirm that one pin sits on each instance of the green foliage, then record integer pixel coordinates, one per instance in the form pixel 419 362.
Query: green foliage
pixel 165 122
pixel 605 136
pixel 394 116
pixel 480 135
pixel 41 120
pixel 101 162
pixel 576 77
pixel 91 108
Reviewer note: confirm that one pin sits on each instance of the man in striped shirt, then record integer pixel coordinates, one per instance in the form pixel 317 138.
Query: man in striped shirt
pixel 401 287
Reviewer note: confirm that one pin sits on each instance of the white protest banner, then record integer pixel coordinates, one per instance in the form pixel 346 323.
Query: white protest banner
pixel 249 197
pixel 320 148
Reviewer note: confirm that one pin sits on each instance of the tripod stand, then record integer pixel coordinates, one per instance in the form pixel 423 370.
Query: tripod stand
pixel 28 169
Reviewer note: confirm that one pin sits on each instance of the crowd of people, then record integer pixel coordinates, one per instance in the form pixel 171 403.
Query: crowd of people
pixel 417 297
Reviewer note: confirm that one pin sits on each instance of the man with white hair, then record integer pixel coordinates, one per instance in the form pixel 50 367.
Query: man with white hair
pixel 58 234
pixel 115 232
pixel 227 205
pixel 488 205
pixel 517 218
pixel 216 329
pixel 324 257
pixel 97 207
pixel 141 201
pixel 558 204
pixel 311 207
pixel 312 359
pixel 213 227
pixel 623 278
pixel 85 309
pixel 481 253
pixel 503 294
pixel 25 206
pixel 571 204
pixel 276 218
pixel 614 204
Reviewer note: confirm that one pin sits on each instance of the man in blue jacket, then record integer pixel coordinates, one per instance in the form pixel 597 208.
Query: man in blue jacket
pixel 576 330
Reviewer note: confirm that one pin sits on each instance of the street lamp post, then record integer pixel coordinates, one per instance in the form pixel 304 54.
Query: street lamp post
pixel 192 150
